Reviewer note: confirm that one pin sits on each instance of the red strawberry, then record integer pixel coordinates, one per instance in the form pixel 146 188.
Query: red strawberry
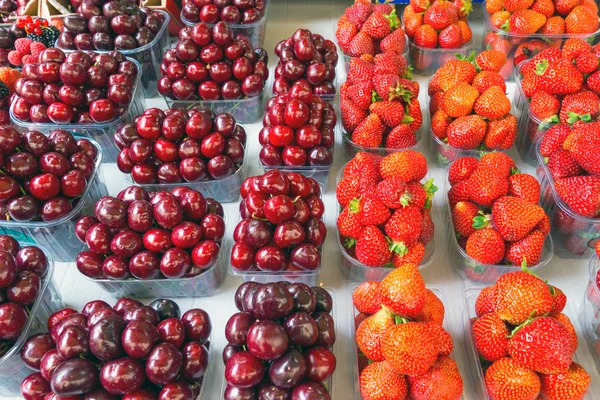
pixel 410 348
pixel 526 22
pixel 379 25
pixel 347 189
pixel 507 379
pixel 515 218
pixel 528 249
pixel 486 246
pixel 451 37
pixel 414 255
pixel 388 87
pixel 427 227
pixel 462 217
pixel 361 94
pixel 442 381
pixel 485 301
pixel 426 36
pixel 390 63
pixel 349 224
pixel 369 133
pixel 501 133
pixel 394 42
pixel 515 5
pixel 433 311
pixel 459 192
pixel 486 186
pixel 461 169
pixel 524 186
pixel 403 290
pixel 544 105
pixel 490 60
pixel 499 161
pixel 492 103
pixel 581 20
pixel 439 124
pixel 378 381
pixel 401 137
pixel 408 165
pixel 390 112
pixel 466 132
pixel 366 297
pixel 344 34
pixel 440 15
pixel 580 106
pixel 370 333
pixel 544 225
pixel 554 138
pixel 360 71
pixel 487 79
pixel 552 77
pixel 372 247
pixel 352 115
pixel 562 165
pixel 371 210
pixel 559 301
pixel 593 82
pixel 404 228
pixel 490 337
pixel 573 382
pixel 393 192
pixel 520 295
pixel 358 13
pixel 581 193
pixel 361 44
pixel 586 63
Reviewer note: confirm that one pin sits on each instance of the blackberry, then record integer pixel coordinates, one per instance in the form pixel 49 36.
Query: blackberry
pixel 48 37
pixel 3 90
pixel 36 38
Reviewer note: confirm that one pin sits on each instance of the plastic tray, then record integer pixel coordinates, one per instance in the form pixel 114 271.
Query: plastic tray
pixel 12 368
pixel 205 284
pixel 243 110
pixel 356 271
pixel 101 133
pixel 426 61
pixel 578 234
pixel 490 272
pixel 254 31
pixel 148 56
pixel 494 38
pixel 59 235
pixel 334 349
pixel 475 361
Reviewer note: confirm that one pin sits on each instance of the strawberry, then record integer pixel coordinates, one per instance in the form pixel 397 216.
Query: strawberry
pixel 413 110
pixel 581 193
pixel 366 297
pixel 459 192
pixel 361 44
pixel 442 381
pixel 459 100
pixel 369 133
pixel 410 348
pixel 564 7
pixel 404 228
pixel 461 169
pixel 526 22
pixel 586 63
pixel 371 210
pixel 456 71
pixel 414 255
pixel 486 186
pixel 591 4
pixel 390 112
pixel 541 53
pixel 485 301
pixel 347 189
pixel 445 343
pixel 499 19
pixel 408 165
pixel 362 360
pixel 439 124
pixel 506 379
pixel 403 290
pixel 559 301
pixel 344 34
pixel 501 133
pixel 553 26
pixel 419 6
pixel 465 30
pixel 583 105
pixel 433 311
pixel 349 224
pixel 427 227
pixel 490 60
pixel 566 322
pixel 411 22
pixel 524 186
pixel 466 132
pixel 361 94
pixel 521 295
pixel 574 47
pixel 360 71
pixel 382 8
pixel 529 346
pixel 420 195
pixel 450 37
pixel 395 42
pixel 515 5
pixel 358 319
pixel 379 25
pixel 527 250
pixel 544 225
pixel 364 163
pixel 562 165
pixel 464 7
pixel 490 337
pixel 372 248
pixel 544 105
pixel 486 246
pixel 581 20
pixel 545 7
pixel 492 103
pixel 390 63
pixel 493 6
pixel 352 115
pixel 378 381
pixel 499 161
pixel 462 217
pixel 572 383
pixel 487 79
pixel 515 218
pixel 440 15
pixel 393 193
pixel 358 13
pixel 401 137
pixel 552 77
pixel 593 82
pixel 554 138
pixel 370 334
pixel 425 36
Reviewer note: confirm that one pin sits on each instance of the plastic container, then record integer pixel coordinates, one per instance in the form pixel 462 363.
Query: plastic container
pixel 12 369
pixel 205 284
pixel 574 235
pixel 508 43
pixel 149 57
pixel 473 271
pixel 356 271
pixel 101 133
pixel 426 61
pixel 58 236
pixel 254 31
pixel 243 110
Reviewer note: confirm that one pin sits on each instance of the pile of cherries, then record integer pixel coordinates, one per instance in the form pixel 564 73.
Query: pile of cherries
pixel 82 87
pixel 172 146
pixel 279 342
pixel 232 12
pixel 129 350
pixel 42 177
pixel 281 227
pixel 306 57
pixel 298 129
pixel 21 272
pixel 141 235
pixel 108 25
pixel 212 64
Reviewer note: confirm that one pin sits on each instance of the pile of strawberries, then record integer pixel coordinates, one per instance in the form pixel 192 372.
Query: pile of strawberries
pixel 495 214
pixel 527 344
pixel 546 17
pixel 385 215
pixel 26 51
pixel 367 28
pixel 441 23
pixel 403 350
pixel 379 104
pixel 468 105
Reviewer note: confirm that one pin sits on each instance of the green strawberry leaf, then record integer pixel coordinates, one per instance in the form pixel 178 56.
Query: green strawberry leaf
pixel 399 248
pixel 482 220
pixel 541 67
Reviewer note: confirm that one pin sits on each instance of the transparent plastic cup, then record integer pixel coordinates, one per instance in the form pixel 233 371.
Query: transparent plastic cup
pixel 58 236
pixel 12 369
pixel 355 271
pixel 149 57
pixel 426 61
pixel 243 110
pixel 255 31
pixel 206 284
pixel 574 235
pixel 473 271
pixel 101 133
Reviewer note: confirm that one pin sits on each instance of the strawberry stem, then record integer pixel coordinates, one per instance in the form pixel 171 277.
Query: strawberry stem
pixel 481 220
pixel 399 248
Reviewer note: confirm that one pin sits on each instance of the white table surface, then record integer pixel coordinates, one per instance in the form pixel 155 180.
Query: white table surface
pixel 284 18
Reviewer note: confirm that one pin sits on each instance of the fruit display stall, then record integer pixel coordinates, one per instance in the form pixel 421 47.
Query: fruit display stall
pixel 322 332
